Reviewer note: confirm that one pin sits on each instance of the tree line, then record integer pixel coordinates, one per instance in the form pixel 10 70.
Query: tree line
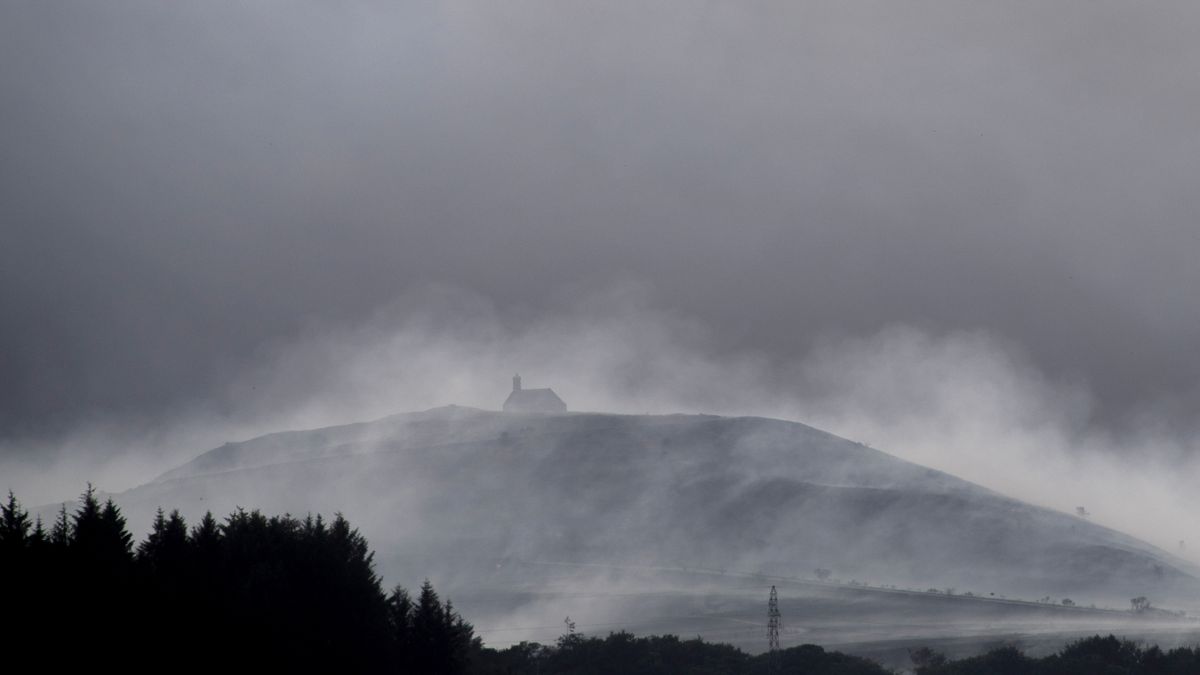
pixel 258 593
pixel 1088 656
pixel 249 593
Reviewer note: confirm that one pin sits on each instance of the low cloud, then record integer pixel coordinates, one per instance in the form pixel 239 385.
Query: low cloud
pixel 966 402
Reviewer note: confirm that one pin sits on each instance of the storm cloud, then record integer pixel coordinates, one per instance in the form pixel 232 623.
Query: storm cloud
pixel 188 190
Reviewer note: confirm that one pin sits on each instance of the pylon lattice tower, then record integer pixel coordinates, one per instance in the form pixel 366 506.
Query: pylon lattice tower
pixel 773 624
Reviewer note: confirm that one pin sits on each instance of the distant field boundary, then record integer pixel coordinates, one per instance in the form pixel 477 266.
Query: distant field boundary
pixel 1155 615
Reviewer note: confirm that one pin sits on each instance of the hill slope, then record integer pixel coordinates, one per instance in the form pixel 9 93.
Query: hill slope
pixel 749 494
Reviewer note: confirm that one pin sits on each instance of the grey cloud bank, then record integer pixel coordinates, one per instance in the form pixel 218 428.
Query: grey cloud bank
pixel 964 402
pixel 981 210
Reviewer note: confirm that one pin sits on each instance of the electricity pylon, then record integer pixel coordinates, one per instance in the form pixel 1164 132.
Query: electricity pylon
pixel 773 625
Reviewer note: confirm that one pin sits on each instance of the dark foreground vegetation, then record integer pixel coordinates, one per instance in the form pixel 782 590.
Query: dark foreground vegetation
pixel 623 653
pixel 279 594
pixel 1090 656
pixel 252 593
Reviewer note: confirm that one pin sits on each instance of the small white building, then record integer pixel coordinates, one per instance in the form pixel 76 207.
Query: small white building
pixel 533 400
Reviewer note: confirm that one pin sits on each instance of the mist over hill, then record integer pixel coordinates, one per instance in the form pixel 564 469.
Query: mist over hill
pixel 496 492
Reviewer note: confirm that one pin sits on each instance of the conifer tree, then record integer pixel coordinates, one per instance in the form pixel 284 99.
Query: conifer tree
pixel 60 533
pixel 175 535
pixel 400 618
pixel 147 551
pixel 352 550
pixel 459 637
pixel 38 539
pixel 87 530
pixel 14 524
pixel 117 540
pixel 206 535
pixel 431 635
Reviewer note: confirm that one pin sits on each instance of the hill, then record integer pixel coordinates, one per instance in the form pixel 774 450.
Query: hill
pixel 498 493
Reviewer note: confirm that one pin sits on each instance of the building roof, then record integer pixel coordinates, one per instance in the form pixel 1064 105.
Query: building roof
pixel 534 400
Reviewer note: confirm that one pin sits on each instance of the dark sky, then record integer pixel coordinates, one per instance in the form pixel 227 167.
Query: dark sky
pixel 185 185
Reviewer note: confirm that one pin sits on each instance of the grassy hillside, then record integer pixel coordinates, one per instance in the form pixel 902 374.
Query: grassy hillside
pixel 747 495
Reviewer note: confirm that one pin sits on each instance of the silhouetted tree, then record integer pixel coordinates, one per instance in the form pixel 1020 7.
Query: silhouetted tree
pixel 14 524
pixel 428 637
pixel 117 540
pixel 38 539
pixel 166 547
pixel 87 530
pixel 400 617
pixel 205 538
pixel 60 533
